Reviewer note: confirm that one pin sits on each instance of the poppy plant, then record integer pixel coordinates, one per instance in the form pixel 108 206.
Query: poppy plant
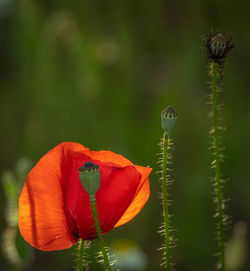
pixel 54 208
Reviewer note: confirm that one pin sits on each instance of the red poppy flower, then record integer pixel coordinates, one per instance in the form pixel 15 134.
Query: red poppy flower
pixel 54 209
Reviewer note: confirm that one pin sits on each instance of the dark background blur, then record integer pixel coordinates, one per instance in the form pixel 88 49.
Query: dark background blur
pixel 99 73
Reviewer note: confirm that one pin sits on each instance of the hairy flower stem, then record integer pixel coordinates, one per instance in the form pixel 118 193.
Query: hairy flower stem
pixel 80 255
pixel 165 146
pixel 217 166
pixel 99 233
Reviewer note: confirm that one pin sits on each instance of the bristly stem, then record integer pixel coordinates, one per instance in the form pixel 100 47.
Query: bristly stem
pixel 217 166
pixel 99 233
pixel 165 146
pixel 80 255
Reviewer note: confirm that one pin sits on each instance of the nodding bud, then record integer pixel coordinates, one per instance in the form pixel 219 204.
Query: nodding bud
pixel 90 178
pixel 168 119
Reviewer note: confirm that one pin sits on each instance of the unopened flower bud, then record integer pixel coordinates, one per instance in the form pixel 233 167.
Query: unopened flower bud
pixel 168 119
pixel 90 178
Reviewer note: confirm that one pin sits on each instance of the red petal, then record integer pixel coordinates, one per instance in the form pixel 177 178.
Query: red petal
pixel 54 209
pixel 109 157
pixel 42 219
pixel 142 195
pixel 117 190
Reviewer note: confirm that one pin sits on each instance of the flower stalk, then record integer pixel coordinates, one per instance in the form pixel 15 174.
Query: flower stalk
pixel 165 145
pixel 217 166
pixel 99 233
pixel 81 248
pixel 218 47
pixel 168 120
pixel 90 178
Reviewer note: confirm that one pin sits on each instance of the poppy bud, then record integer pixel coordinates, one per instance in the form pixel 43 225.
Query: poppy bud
pixel 168 119
pixel 90 178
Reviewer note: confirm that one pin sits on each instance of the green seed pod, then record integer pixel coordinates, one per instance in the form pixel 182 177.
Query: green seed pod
pixel 90 178
pixel 168 119
pixel 218 45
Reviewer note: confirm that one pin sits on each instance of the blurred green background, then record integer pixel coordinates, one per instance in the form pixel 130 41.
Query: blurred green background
pixel 99 73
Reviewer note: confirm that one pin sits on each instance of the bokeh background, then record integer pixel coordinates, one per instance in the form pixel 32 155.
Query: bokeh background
pixel 100 72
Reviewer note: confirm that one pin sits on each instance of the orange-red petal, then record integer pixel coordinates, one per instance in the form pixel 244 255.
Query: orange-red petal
pixel 110 157
pixel 142 195
pixel 117 190
pixel 54 209
pixel 42 220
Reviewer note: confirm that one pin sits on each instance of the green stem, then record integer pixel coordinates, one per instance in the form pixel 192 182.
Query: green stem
pixel 165 142
pixel 99 233
pixel 218 182
pixel 80 255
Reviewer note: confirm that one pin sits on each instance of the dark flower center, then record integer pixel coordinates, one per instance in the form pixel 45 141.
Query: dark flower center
pixel 88 166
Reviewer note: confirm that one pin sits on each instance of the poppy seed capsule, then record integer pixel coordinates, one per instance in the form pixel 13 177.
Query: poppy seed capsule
pixel 168 119
pixel 218 45
pixel 90 178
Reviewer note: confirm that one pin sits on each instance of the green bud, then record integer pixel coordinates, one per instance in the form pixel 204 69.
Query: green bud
pixel 90 178
pixel 168 119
